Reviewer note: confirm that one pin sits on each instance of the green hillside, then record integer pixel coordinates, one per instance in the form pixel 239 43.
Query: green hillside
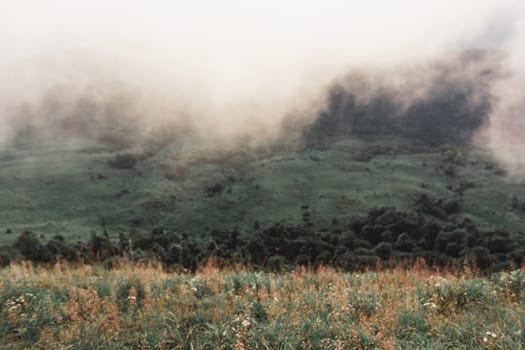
pixel 67 186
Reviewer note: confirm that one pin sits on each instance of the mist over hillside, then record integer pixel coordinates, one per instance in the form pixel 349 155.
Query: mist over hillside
pixel 312 133
pixel 437 101
pixel 443 101
pixel 258 73
pixel 321 174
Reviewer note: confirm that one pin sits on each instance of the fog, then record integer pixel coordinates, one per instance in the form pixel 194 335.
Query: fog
pixel 239 70
pixel 506 130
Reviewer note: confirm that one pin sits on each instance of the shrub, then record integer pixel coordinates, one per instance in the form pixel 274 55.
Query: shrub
pixel 275 263
pixel 214 189
pixel 383 250
pixel 29 245
pixel 124 161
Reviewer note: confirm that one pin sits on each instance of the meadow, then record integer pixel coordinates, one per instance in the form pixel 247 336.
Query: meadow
pixel 406 236
pixel 143 306
pixel 66 186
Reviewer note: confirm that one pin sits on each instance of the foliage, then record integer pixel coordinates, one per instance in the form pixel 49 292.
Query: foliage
pixel 145 307
pixel 385 234
pixel 124 161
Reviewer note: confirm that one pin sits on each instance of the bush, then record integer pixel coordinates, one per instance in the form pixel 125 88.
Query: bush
pixel 275 263
pixel 124 161
pixel 29 245
pixel 481 257
pixel 383 250
pixel 215 189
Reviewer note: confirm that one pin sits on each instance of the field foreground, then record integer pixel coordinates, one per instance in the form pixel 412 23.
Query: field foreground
pixel 144 307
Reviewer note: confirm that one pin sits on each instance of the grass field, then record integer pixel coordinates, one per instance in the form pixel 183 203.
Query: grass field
pixel 144 307
pixel 65 186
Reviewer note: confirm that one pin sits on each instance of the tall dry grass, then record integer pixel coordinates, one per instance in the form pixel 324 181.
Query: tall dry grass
pixel 145 307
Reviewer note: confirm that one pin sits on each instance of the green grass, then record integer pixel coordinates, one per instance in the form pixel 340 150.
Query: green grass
pixel 64 186
pixel 144 307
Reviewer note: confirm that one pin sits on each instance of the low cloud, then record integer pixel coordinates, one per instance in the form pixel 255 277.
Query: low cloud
pixel 237 70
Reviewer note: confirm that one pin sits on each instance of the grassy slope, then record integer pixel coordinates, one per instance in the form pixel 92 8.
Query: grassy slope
pixel 56 186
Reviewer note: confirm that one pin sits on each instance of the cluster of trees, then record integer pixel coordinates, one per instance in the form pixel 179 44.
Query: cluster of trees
pixel 385 233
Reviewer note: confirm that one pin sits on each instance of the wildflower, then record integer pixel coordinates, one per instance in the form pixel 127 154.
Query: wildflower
pixel 432 305
pixel 491 334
